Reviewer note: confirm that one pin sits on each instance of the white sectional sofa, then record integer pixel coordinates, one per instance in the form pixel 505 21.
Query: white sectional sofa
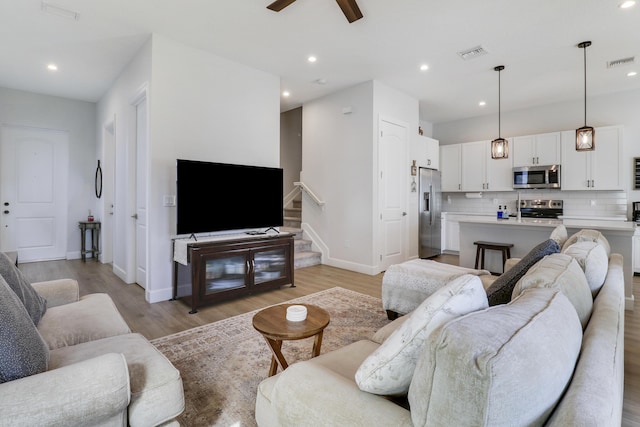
pixel 553 355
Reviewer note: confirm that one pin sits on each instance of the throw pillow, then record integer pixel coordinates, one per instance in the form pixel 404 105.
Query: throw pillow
pixel 23 352
pixel 388 370
pixel 562 272
pixel 500 291
pixel 32 301
pixel 509 362
pixel 592 258
pixel 587 235
pixel 559 234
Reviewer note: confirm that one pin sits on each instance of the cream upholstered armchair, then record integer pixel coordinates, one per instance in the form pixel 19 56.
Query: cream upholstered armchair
pixel 81 365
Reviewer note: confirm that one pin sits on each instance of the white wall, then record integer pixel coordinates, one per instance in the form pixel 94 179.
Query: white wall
pixel 115 107
pixel 340 163
pixel 337 165
pixel 78 118
pixel 617 109
pixel 396 105
pixel 291 147
pixel 202 107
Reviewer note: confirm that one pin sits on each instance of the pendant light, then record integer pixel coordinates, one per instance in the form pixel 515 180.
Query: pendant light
pixel 499 146
pixel 586 135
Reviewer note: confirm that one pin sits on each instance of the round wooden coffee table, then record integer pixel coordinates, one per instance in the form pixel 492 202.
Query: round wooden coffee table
pixel 272 323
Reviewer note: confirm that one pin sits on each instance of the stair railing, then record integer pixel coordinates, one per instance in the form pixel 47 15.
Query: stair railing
pixel 311 194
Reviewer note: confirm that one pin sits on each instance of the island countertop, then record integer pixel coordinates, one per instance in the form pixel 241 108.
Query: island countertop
pixel 526 233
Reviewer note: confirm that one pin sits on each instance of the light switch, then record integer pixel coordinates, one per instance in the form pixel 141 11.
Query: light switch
pixel 168 200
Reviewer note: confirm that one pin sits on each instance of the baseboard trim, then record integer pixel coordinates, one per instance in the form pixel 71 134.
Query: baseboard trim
pixel 629 303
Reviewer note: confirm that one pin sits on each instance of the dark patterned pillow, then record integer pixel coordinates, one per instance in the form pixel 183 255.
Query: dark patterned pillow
pixel 32 301
pixel 500 290
pixel 23 352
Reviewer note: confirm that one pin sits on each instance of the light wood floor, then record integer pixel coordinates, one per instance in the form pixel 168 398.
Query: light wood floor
pixel 164 318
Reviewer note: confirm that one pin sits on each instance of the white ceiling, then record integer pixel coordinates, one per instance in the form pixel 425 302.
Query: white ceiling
pixel 535 40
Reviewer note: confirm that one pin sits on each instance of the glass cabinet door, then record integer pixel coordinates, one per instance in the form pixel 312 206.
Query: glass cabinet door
pixel 225 273
pixel 269 265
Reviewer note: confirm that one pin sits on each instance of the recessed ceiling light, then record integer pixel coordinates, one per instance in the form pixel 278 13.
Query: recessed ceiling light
pixel 312 59
pixel 286 93
pixel 631 73
pixel 52 67
pixel 626 4
pixel 424 67
pixel 482 103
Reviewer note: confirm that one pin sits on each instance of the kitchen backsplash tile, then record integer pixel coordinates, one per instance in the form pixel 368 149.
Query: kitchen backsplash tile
pixel 576 203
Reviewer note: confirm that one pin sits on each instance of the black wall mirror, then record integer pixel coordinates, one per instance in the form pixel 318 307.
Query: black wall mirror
pixel 98 181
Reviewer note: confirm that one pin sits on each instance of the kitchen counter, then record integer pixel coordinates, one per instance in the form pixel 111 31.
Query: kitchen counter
pixel 596 224
pixel 525 233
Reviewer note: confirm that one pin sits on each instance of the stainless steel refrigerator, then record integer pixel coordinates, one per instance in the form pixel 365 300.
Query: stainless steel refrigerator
pixel 430 204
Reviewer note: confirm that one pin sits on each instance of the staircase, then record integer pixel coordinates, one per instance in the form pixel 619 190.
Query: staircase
pixel 303 255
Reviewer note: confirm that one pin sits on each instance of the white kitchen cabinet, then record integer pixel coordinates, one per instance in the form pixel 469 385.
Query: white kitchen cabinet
pixel 636 252
pixel 450 233
pixel 426 152
pixel 433 153
pixel 600 169
pixel 482 173
pixel 532 150
pixel 450 167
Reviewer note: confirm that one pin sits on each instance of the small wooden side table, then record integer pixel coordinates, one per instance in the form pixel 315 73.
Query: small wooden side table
pixel 272 323
pixel 94 227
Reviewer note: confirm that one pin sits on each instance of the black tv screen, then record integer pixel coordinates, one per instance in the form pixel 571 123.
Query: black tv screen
pixel 221 196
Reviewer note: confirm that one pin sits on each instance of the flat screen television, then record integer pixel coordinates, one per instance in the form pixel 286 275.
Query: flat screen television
pixel 215 197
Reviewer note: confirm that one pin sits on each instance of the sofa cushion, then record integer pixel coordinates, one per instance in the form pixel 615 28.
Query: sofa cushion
pixel 156 386
pixel 509 362
pixel 559 234
pixel 34 303
pixel 501 289
pixel 592 258
pixel 562 272
pixel 587 235
pixel 385 332
pixel 388 370
pixel 94 317
pixel 22 350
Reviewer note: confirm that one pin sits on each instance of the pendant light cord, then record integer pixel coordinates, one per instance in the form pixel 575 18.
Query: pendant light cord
pixel 499 97
pixel 584 49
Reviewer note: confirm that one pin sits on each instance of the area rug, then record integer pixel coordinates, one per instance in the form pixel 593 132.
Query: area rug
pixel 223 362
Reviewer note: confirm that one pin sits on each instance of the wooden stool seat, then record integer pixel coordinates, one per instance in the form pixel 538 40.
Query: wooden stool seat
pixel 505 248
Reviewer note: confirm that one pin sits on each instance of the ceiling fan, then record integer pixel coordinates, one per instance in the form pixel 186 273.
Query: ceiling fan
pixel 349 8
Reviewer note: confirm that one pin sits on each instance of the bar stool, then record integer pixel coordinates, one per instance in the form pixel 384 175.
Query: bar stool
pixel 505 248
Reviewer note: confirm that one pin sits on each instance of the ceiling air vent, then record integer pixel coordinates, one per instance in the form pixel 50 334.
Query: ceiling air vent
pixel 623 61
pixel 474 52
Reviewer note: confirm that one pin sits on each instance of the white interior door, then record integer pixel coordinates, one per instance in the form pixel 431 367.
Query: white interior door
pixel 393 144
pixel 140 215
pixel 33 192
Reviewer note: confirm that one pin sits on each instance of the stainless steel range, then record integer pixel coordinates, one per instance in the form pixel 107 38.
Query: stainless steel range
pixel 549 209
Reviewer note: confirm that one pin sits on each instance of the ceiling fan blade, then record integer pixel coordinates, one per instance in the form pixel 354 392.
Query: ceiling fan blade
pixel 350 9
pixel 278 5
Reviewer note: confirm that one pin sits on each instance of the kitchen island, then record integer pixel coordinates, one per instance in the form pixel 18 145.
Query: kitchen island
pixel 525 233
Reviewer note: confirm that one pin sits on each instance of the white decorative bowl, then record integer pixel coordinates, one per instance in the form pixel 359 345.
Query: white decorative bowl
pixel 296 313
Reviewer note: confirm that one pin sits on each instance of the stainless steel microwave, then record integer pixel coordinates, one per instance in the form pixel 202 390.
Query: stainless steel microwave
pixel 536 177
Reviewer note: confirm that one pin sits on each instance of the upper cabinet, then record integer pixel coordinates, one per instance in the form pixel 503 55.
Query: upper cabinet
pixel 482 173
pixel 426 152
pixel 450 165
pixel 600 169
pixel 543 149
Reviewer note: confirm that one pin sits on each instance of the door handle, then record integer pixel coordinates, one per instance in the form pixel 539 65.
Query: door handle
pixel 134 216
pixel 404 214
